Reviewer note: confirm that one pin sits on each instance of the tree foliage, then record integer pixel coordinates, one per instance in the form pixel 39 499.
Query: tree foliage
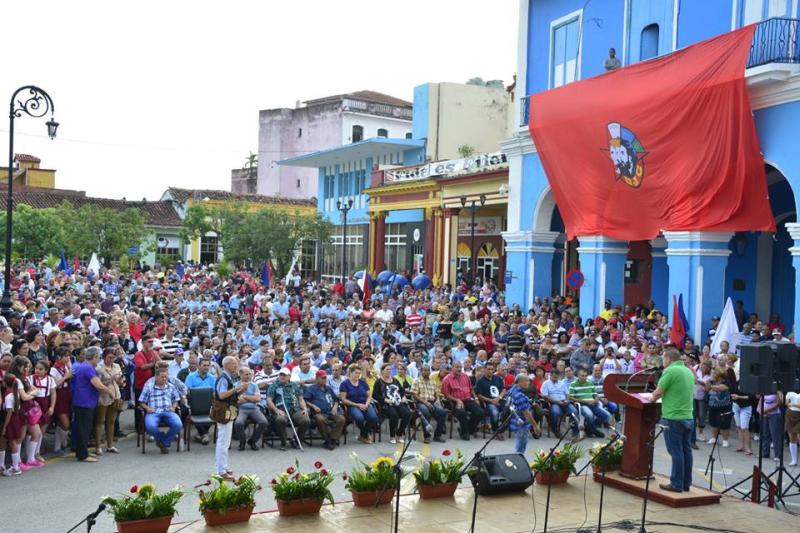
pixel 37 232
pixel 253 236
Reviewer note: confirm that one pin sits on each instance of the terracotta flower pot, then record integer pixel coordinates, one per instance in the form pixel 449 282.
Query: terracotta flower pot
pixel 368 498
pixel 230 516
pixel 552 478
pixel 297 507
pixel 148 525
pixel 442 490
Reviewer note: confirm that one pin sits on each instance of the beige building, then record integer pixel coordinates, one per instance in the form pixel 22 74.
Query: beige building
pixel 451 115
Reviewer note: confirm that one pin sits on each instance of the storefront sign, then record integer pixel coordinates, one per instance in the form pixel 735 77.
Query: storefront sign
pixel 509 275
pixel 440 168
pixel 483 225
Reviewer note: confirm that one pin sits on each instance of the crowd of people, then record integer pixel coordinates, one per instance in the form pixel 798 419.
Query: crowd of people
pixel 281 362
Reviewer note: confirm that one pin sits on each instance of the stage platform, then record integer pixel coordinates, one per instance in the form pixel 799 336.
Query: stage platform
pixel 514 513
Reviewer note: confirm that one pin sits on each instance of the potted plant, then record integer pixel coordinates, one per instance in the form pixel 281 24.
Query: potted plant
pixel 228 503
pixel 555 469
pixel 611 457
pixel 298 493
pixel 438 478
pixel 372 482
pixel 146 511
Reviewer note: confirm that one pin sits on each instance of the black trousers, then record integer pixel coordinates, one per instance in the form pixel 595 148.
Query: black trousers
pixel 398 416
pixel 469 417
pixel 84 424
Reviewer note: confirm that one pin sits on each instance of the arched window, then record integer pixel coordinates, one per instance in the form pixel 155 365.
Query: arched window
pixel 358 133
pixel 649 42
pixel 382 132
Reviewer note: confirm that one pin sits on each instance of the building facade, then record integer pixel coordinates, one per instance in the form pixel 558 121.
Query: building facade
pixel 561 41
pixel 394 223
pixel 315 125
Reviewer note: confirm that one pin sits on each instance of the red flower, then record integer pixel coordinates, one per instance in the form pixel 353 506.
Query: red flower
pixel 318 465
pixel 297 475
pixel 274 481
pixel 446 453
pixel 290 470
pixel 323 472
pixel 134 489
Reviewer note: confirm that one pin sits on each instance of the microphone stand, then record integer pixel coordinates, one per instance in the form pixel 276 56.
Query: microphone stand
pixel 600 455
pixel 549 485
pixel 398 472
pixel 710 463
pixel 91 519
pixel 652 446
pixel 475 461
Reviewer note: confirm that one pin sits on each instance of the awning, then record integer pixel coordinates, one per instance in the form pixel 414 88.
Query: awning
pixel 374 147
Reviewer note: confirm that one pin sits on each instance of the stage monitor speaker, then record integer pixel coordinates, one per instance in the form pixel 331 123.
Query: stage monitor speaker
pixel 756 368
pixel 498 474
pixel 786 366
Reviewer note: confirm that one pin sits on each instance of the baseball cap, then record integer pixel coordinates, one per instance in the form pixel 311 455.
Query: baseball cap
pixel 321 374
pixel 285 371
pixel 777 331
pixel 715 317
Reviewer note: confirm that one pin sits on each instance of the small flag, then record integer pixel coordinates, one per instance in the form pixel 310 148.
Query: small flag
pixel 94 265
pixel 682 313
pixel 266 273
pixel 76 263
pixel 677 334
pixel 364 284
pixel 180 270
pixel 63 266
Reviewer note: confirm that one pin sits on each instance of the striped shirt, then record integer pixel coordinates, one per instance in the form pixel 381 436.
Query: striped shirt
pixel 159 399
pixel 521 403
pixel 582 391
pixel 414 319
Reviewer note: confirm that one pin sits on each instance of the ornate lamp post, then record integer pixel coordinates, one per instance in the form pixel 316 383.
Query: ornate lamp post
pixel 474 254
pixel 36 103
pixel 344 208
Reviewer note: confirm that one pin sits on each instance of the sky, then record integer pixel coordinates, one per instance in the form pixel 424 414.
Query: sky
pixel 151 94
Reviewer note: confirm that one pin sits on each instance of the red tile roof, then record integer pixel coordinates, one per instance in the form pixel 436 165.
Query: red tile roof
pixel 155 213
pixel 182 195
pixel 25 158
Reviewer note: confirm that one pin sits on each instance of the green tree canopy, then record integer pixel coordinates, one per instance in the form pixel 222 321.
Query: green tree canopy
pixel 108 232
pixel 37 232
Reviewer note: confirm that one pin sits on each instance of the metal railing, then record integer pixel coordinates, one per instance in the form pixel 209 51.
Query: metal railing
pixel 524 110
pixel 775 41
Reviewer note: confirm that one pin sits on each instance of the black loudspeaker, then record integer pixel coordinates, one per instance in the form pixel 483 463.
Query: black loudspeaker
pixel 499 474
pixel 786 366
pixel 756 368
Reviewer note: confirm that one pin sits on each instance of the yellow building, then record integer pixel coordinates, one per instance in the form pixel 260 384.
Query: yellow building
pixel 207 249
pixel 28 173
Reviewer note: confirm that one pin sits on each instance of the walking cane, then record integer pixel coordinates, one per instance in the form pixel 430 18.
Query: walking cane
pixel 289 416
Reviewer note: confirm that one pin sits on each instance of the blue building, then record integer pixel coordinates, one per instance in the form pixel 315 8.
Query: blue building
pixel 561 41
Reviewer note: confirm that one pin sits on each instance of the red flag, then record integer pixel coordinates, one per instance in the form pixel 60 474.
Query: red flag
pixel 364 284
pixel 665 144
pixel 76 263
pixel 677 333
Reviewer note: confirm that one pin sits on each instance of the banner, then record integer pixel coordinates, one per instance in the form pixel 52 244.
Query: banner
pixel 665 144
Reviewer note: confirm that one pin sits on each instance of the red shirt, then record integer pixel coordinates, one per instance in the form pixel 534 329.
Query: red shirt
pixel 459 387
pixel 295 315
pixel 136 330
pixel 141 375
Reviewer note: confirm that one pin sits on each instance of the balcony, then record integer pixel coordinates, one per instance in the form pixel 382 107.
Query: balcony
pixel 775 40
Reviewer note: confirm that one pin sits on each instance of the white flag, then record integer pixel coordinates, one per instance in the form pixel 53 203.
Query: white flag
pixel 727 330
pixel 94 265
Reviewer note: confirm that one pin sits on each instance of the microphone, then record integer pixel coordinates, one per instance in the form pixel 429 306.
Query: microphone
pixel 100 509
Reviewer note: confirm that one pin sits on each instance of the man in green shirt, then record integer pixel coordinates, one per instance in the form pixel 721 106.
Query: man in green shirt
pixel 285 399
pixel 584 393
pixel 675 389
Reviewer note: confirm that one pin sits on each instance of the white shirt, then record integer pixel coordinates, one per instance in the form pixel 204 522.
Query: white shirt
pixel 384 315
pixel 471 325
pixel 175 367
pixel 793 401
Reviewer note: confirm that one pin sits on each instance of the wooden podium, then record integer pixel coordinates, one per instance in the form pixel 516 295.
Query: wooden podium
pixel 641 417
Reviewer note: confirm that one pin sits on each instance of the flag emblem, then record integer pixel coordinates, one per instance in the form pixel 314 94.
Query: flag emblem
pixel 627 154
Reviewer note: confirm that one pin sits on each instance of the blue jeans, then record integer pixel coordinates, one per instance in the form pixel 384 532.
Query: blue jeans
pixel 773 434
pixel 592 415
pixel 556 412
pixel 365 420
pixel 173 421
pixel 493 412
pixel 439 414
pixel 521 440
pixel 679 446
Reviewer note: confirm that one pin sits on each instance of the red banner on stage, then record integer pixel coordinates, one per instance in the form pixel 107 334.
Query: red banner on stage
pixel 666 144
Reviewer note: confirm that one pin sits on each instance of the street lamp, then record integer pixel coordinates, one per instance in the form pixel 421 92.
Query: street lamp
pixel 35 103
pixel 344 208
pixel 474 254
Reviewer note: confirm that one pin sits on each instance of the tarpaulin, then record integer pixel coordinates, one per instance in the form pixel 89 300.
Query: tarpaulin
pixel 665 144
